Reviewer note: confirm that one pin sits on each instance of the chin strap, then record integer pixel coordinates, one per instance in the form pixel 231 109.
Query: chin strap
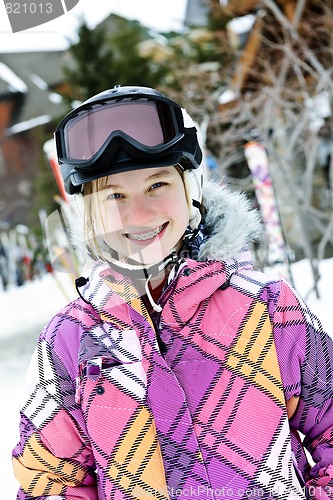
pixel 138 271
pixel 132 268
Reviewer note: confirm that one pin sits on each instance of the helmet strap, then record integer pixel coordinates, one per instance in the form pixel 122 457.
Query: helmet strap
pixel 130 267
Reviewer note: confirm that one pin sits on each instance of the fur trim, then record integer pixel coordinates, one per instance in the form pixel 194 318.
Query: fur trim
pixel 231 222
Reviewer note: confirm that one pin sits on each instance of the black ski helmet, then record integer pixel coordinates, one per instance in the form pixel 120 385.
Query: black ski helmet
pixel 123 129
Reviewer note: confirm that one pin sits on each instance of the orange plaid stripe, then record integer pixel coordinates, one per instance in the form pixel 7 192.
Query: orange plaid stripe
pixel 128 292
pixel 253 356
pixel 137 466
pixel 41 473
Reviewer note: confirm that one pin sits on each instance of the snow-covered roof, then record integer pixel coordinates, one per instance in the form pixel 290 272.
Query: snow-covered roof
pixel 15 84
pixel 33 75
pixel 28 124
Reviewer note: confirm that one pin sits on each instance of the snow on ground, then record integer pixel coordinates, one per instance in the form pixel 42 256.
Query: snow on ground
pixel 25 310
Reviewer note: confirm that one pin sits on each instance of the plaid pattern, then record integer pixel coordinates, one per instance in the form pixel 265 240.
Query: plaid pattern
pixel 208 420
pixel 253 355
pixel 136 460
pixel 57 471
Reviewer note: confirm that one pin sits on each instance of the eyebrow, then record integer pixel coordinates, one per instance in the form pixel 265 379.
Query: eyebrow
pixel 153 177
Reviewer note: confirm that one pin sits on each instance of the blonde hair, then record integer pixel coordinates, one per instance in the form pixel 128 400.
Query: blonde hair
pixel 93 215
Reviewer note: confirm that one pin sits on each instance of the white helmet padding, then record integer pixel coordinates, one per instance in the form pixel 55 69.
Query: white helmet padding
pixel 193 181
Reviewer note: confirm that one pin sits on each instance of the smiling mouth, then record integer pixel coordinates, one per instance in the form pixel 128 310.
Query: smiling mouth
pixel 146 236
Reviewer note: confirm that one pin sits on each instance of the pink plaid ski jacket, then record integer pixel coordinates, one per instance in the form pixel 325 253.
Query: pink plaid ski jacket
pixel 189 402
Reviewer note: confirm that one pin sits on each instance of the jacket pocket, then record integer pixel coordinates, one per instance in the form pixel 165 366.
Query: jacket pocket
pixel 112 396
pixel 110 382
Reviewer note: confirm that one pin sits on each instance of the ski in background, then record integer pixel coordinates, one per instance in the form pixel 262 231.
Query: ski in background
pixel 276 254
pixel 50 153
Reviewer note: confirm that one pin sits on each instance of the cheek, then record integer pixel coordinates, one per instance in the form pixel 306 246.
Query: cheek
pixel 110 219
pixel 181 210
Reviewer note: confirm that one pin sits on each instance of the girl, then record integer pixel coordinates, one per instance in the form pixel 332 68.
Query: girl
pixel 180 371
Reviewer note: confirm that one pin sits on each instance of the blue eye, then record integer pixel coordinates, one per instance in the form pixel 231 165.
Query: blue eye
pixel 114 196
pixel 157 185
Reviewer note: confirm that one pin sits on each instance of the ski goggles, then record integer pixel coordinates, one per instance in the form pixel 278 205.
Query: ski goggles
pixel 140 126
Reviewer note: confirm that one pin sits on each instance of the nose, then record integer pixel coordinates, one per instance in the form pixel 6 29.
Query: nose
pixel 140 212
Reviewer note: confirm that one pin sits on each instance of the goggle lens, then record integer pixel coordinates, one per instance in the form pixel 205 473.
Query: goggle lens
pixel 148 122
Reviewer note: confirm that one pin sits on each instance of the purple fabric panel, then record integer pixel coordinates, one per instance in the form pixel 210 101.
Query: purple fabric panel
pixel 289 330
pixel 64 332
pixel 305 354
pixel 26 430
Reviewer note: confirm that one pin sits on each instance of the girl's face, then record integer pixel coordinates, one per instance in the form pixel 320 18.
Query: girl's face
pixel 144 213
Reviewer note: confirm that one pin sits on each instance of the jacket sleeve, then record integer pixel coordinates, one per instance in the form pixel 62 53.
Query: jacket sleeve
pixel 305 354
pixel 53 459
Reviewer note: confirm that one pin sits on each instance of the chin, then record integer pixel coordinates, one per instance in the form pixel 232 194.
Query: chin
pixel 149 257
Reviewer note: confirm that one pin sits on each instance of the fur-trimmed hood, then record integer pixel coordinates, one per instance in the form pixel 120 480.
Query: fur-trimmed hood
pixel 230 222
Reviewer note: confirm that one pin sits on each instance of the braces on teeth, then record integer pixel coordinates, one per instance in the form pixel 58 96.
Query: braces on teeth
pixel 146 236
